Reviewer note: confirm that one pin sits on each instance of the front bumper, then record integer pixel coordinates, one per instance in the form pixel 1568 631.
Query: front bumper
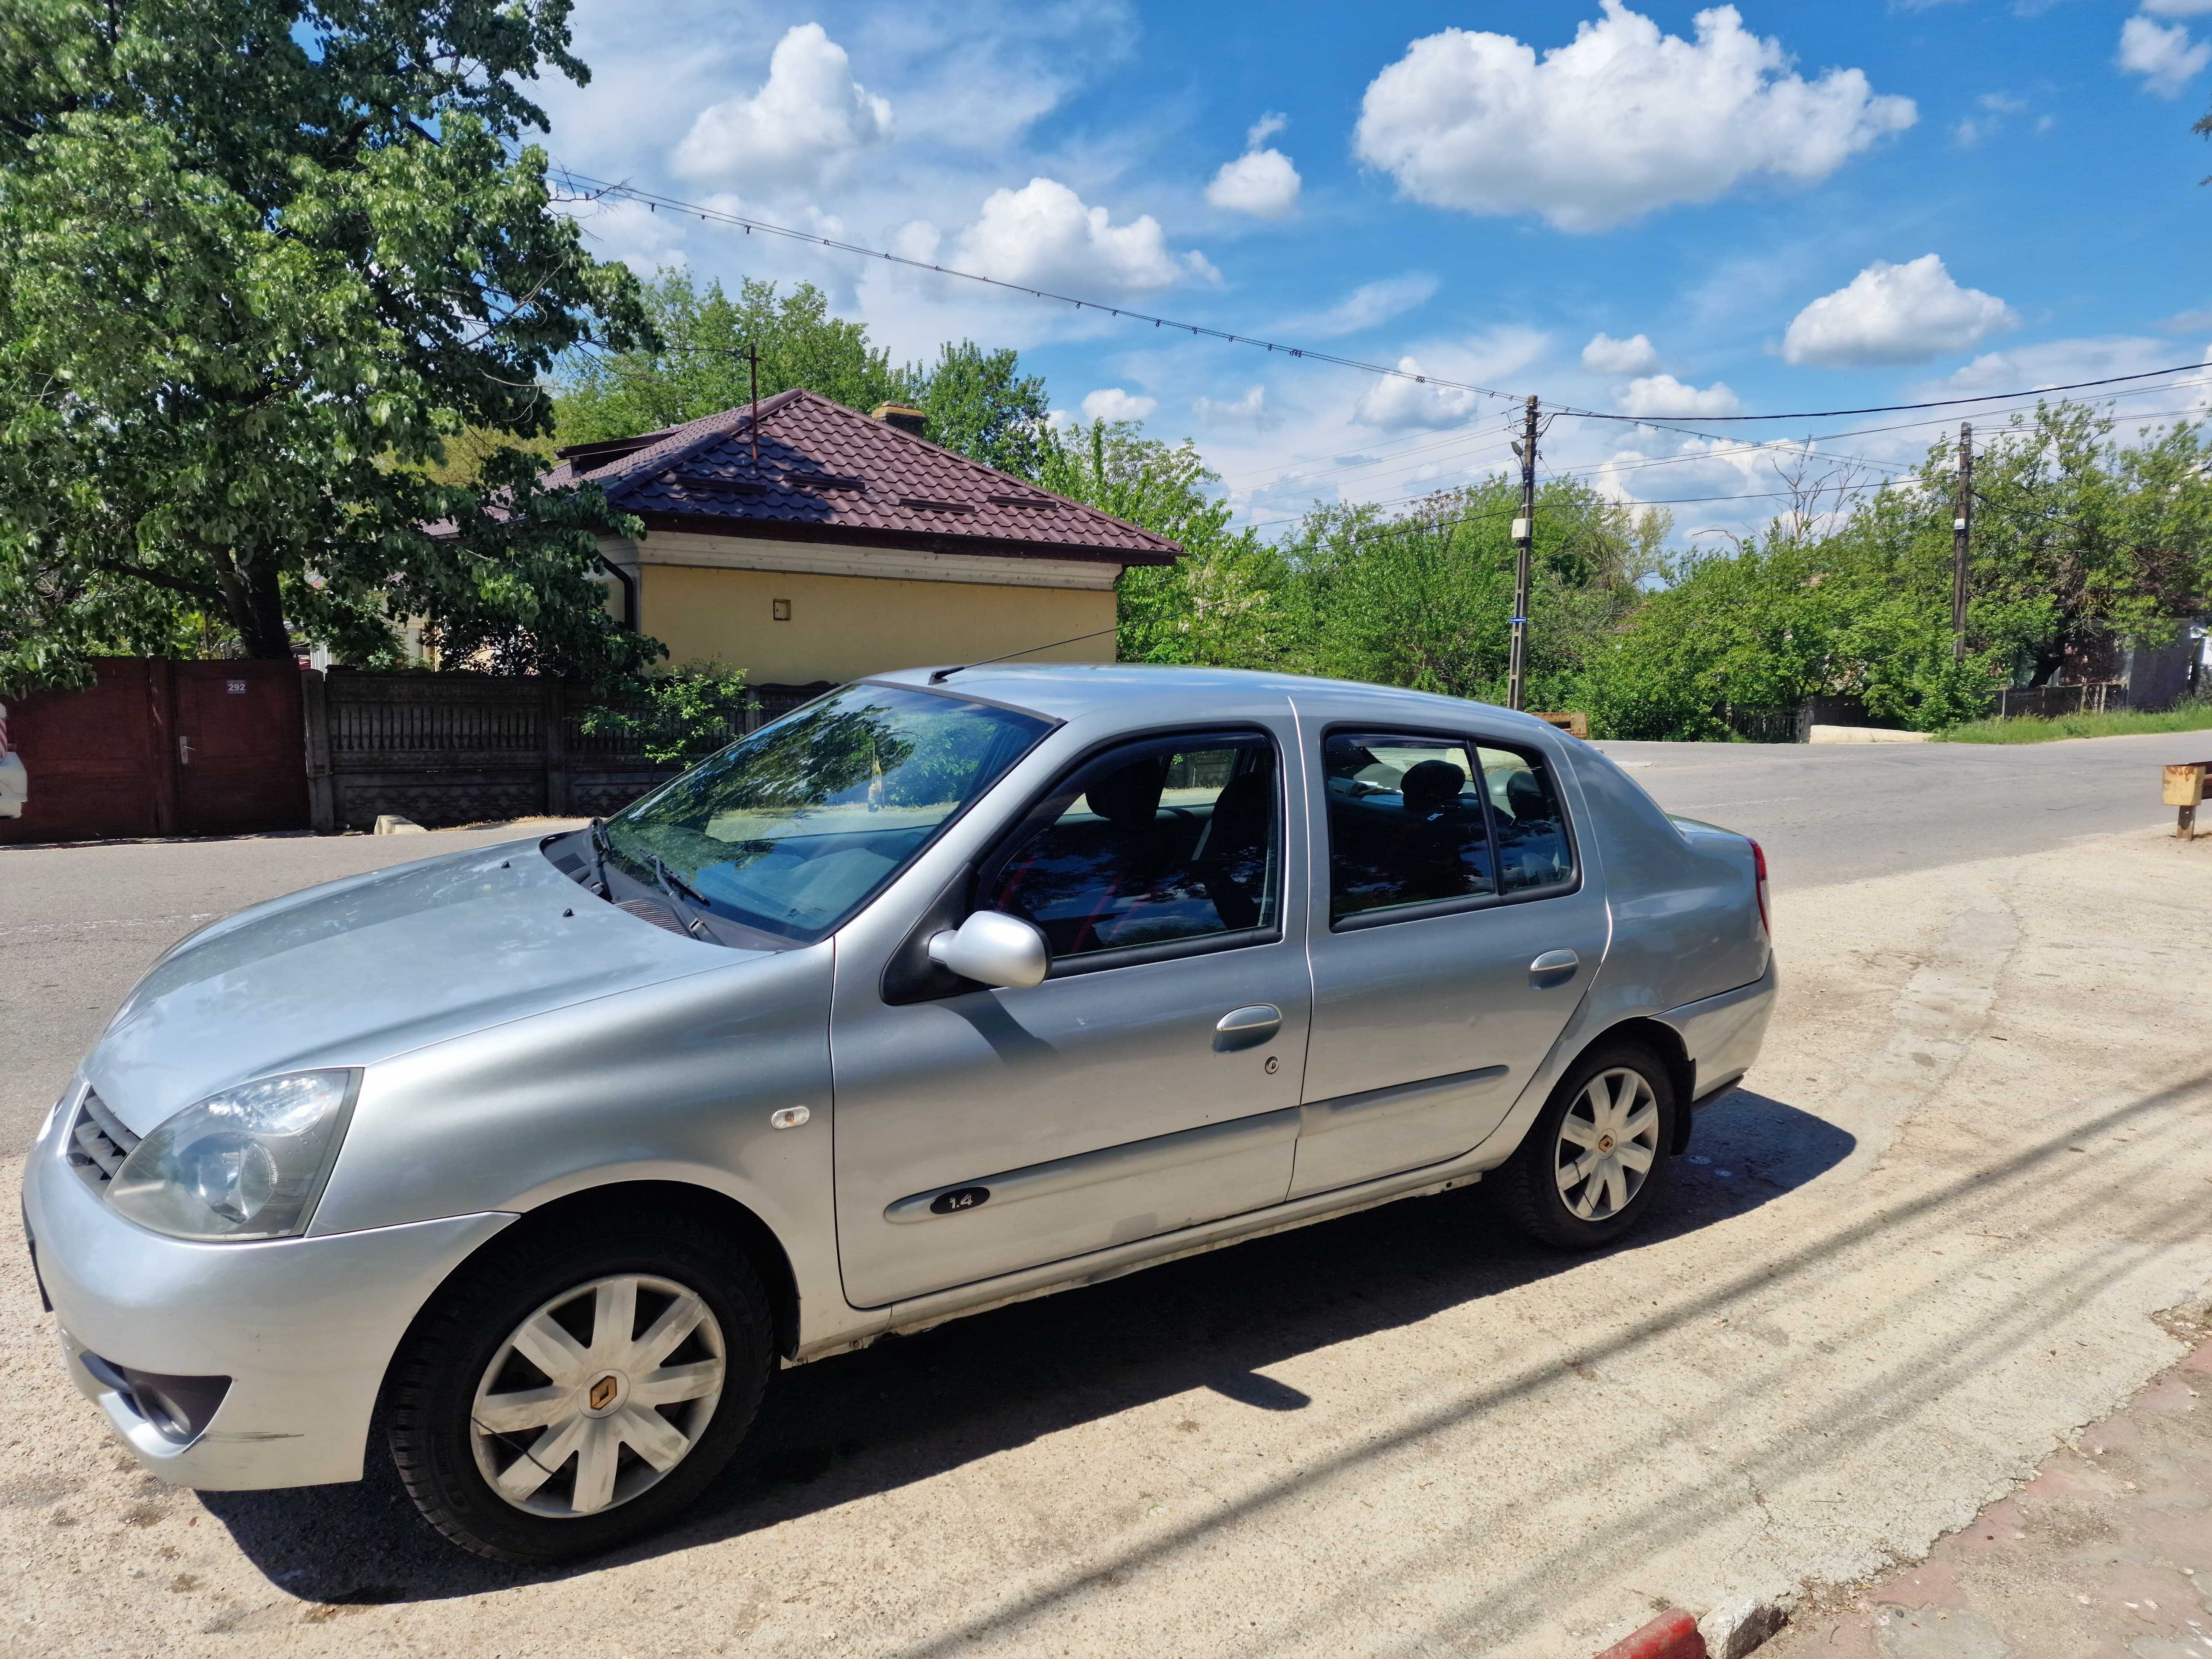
pixel 304 1328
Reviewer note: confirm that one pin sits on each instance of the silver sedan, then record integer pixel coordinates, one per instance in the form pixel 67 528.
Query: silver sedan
pixel 950 988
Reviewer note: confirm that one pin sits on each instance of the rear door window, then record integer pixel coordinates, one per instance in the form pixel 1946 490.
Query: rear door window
pixel 1524 809
pixel 1422 822
pixel 1406 823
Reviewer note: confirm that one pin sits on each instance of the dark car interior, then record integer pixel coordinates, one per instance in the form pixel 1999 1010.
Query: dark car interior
pixel 1149 846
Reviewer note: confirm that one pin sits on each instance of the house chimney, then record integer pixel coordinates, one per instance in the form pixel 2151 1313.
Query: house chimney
pixel 904 416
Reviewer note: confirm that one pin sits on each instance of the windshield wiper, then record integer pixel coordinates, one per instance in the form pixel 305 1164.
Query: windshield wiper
pixel 600 850
pixel 676 890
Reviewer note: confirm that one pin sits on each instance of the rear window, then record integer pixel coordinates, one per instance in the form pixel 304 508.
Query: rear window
pixel 1417 822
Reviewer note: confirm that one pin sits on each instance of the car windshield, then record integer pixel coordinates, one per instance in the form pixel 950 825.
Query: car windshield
pixel 792 828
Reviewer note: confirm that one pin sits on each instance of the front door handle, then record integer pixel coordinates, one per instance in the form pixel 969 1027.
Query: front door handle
pixel 1242 1027
pixel 1553 968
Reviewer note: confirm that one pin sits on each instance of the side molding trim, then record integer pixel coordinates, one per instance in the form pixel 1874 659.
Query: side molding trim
pixel 1318 1117
pixel 1126 1162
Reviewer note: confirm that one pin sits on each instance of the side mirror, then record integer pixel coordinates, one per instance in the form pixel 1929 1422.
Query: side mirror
pixel 994 949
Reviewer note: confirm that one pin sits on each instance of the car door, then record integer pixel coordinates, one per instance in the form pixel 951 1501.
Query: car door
pixel 1451 934
pixel 1151 1082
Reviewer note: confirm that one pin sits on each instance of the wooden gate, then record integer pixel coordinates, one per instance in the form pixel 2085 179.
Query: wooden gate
pixel 157 747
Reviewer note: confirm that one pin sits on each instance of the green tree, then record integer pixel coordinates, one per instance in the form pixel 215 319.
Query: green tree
pixel 980 405
pixel 697 362
pixel 1424 599
pixel 258 260
pixel 2079 543
pixel 1219 605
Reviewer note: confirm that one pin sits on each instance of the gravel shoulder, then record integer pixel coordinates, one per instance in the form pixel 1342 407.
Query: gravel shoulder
pixel 1924 1247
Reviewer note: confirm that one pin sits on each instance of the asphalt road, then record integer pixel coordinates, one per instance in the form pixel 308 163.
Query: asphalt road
pixel 1849 811
pixel 78 925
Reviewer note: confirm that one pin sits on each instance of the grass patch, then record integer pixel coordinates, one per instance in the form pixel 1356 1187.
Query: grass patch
pixel 2194 716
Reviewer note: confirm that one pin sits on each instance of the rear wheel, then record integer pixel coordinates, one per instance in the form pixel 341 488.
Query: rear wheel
pixel 566 1396
pixel 1595 1160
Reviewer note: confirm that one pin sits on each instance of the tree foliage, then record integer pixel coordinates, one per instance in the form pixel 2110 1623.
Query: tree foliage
pixel 677 718
pixel 698 361
pixel 2078 543
pixel 1218 605
pixel 260 259
pixel 980 404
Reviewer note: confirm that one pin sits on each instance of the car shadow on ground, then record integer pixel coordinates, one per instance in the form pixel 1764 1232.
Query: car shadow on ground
pixel 844 1429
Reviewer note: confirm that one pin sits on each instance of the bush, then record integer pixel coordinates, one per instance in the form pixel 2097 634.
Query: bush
pixel 681 717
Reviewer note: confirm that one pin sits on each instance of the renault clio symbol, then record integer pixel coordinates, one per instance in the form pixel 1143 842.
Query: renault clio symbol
pixel 949 988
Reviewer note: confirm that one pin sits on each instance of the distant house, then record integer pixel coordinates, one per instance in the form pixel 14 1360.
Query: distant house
pixel 853 544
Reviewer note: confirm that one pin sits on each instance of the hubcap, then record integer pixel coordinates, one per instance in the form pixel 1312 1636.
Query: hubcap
pixel 1607 1143
pixel 597 1394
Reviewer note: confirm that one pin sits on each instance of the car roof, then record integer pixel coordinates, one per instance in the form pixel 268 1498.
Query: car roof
pixel 1143 693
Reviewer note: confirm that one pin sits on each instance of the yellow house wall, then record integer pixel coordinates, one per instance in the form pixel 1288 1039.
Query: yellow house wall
pixel 843 627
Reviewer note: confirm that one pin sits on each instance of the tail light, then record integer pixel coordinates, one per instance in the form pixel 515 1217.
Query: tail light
pixel 1759 866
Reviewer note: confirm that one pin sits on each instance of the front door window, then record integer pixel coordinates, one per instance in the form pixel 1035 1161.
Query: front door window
pixel 1176 841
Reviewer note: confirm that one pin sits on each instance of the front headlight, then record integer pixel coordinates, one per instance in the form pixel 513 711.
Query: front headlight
pixel 248 1162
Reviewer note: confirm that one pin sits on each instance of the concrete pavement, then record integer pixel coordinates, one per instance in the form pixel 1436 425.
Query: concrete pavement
pixel 1927 1244
pixel 2106 1554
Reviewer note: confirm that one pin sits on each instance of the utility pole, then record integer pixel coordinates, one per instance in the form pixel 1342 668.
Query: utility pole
pixel 1523 535
pixel 752 426
pixel 1962 519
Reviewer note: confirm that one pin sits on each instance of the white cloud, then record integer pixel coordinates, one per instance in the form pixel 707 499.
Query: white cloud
pixel 1606 355
pixel 1656 397
pixel 2176 7
pixel 1260 182
pixel 1112 403
pixel 1252 406
pixel 1396 405
pixel 1366 306
pixel 2069 362
pixel 616 228
pixel 2164 55
pixel 1891 313
pixel 1623 120
pixel 1042 236
pixel 798 132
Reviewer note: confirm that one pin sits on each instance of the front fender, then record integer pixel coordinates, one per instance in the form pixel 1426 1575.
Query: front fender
pixel 670 1082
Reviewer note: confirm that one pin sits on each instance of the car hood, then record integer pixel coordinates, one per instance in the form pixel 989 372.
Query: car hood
pixel 357 970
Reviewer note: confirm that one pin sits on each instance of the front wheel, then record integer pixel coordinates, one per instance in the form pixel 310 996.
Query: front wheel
pixel 567 1396
pixel 1595 1160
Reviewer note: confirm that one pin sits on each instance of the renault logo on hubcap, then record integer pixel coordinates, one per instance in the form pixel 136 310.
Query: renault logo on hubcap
pixel 604 1391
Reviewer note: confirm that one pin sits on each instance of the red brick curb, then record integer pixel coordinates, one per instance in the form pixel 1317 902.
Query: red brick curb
pixel 1670 1636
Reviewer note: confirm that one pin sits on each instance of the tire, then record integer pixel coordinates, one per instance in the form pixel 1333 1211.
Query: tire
pixel 627 1401
pixel 1586 1119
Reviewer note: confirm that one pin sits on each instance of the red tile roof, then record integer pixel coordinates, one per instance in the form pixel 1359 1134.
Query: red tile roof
pixel 830 474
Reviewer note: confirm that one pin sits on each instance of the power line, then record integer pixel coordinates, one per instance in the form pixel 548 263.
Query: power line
pixel 596 188
pixel 1671 501
pixel 1898 408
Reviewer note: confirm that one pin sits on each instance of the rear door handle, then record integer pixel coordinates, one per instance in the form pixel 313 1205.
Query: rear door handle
pixel 1553 968
pixel 1240 1027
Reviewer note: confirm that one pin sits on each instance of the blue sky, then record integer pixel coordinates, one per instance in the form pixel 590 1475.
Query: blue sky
pixel 1647 210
